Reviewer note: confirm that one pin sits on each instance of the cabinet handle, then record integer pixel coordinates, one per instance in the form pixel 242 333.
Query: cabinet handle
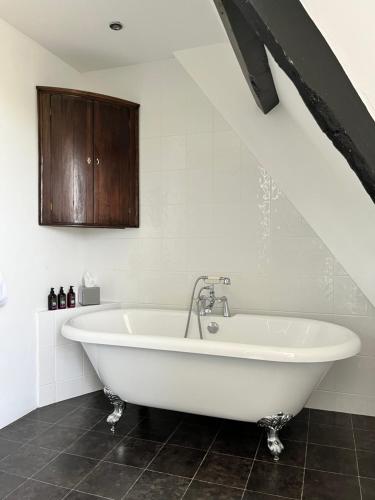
pixel 97 162
pixel 88 161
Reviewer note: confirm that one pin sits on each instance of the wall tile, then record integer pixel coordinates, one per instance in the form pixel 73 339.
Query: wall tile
pixel 348 299
pixel 150 154
pixel 69 389
pixel 46 365
pixel 286 220
pixel 173 152
pixel 227 151
pixel 302 256
pixel 46 394
pixel 69 362
pixel 351 376
pixel 219 123
pixel 151 191
pixel 175 187
pixel 199 151
pixel 301 294
pixel 46 328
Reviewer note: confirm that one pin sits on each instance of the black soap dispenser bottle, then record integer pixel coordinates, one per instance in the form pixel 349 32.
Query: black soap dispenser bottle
pixel 61 299
pixel 71 297
pixel 52 300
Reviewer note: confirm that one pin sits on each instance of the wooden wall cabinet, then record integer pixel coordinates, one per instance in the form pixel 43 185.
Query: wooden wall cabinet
pixel 88 159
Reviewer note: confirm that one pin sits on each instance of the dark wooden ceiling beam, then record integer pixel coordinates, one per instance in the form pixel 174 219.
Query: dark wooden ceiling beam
pixel 250 53
pixel 302 52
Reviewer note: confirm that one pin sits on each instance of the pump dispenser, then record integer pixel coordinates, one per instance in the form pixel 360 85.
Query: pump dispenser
pixel 61 299
pixel 52 300
pixel 71 298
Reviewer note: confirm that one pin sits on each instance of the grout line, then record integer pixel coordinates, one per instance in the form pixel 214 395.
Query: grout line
pixel 60 452
pixel 103 459
pixel 203 459
pixel 304 463
pixel 356 457
pixel 252 464
pixel 153 458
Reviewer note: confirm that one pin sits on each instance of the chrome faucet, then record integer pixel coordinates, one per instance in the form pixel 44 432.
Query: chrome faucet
pixel 206 302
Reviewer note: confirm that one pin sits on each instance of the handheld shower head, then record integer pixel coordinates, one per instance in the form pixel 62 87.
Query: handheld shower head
pixel 216 280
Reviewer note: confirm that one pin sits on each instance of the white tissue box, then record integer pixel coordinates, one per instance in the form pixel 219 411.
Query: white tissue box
pixel 89 296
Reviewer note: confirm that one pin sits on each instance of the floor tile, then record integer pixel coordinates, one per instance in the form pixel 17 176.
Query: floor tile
pixel 93 445
pixel 58 438
pixel 302 416
pixel 199 490
pixel 295 431
pixel 193 435
pixel 8 483
pixel 52 413
pixel 330 459
pixel 23 429
pixel 365 440
pixel 79 495
pixel 177 460
pixel 161 415
pixel 293 454
pixel 240 441
pixel 97 400
pixel 363 422
pixel 366 463
pixel 66 470
pixel 368 488
pixel 254 495
pixel 135 452
pixel 83 418
pixel 35 490
pixel 330 418
pixel 156 486
pixel 109 480
pixel 27 460
pixel 276 479
pixel 123 426
pixel 328 486
pixel 154 431
pixel 7 447
pixel 331 435
pixel 225 469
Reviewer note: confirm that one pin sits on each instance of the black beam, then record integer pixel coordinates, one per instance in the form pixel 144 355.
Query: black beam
pixel 250 53
pixel 302 52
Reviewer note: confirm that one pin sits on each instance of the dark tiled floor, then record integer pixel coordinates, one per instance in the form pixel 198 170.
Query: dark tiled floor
pixel 65 451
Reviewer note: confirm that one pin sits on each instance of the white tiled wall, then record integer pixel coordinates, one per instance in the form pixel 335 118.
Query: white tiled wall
pixel 208 207
pixel 63 368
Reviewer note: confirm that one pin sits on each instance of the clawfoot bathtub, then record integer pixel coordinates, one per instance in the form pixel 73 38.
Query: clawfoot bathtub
pixel 255 368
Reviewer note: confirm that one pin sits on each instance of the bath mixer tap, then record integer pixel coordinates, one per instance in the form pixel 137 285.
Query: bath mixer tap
pixel 204 302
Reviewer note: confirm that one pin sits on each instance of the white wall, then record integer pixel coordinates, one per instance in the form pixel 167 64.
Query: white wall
pixel 208 207
pixel 32 258
pixel 352 40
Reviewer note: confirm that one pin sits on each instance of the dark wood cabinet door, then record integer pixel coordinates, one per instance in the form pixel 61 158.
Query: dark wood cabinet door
pixel 111 159
pixel 88 159
pixel 71 125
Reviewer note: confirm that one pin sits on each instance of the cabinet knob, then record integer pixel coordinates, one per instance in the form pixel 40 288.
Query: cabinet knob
pixel 88 161
pixel 97 162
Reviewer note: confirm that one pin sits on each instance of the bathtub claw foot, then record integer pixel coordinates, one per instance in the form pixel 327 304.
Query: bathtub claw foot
pixel 274 424
pixel 118 405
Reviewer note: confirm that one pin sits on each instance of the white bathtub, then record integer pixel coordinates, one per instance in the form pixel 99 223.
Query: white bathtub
pixel 254 366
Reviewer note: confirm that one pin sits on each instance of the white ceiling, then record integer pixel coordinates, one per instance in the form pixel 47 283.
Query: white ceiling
pixel 77 30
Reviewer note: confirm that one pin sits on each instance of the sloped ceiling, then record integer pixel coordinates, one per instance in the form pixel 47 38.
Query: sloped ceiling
pixel 302 160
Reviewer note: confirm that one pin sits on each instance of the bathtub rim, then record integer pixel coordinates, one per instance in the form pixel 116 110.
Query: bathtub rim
pixel 348 348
